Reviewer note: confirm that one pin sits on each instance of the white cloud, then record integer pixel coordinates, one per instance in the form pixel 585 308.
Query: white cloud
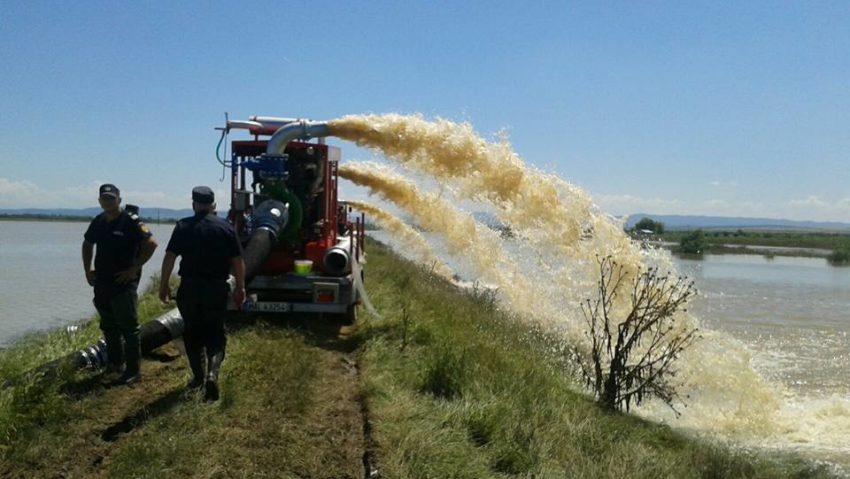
pixel 9 187
pixel 159 199
pixel 721 207
pixel 815 209
pixel 15 193
pixel 812 208
pixel 811 201
pixel 724 183
pixel 626 204
pixel 26 194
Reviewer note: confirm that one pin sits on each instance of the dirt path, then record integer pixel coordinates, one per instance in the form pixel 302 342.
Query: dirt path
pixel 291 407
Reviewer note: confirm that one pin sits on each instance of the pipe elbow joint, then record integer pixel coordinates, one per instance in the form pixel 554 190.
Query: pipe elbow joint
pixel 271 215
pixel 303 129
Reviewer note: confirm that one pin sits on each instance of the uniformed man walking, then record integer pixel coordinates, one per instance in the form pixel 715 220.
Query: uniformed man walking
pixel 124 244
pixel 209 249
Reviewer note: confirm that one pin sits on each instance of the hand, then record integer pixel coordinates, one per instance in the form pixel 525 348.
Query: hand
pixel 129 274
pixel 165 292
pixel 90 275
pixel 239 296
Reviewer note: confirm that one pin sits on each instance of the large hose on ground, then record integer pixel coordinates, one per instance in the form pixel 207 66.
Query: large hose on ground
pixel 152 335
pixel 270 218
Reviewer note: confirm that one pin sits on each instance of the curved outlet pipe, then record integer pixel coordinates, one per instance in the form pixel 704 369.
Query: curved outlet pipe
pixel 304 129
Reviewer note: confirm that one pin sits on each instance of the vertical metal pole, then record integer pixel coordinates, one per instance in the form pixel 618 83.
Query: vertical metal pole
pixel 234 174
pixel 362 233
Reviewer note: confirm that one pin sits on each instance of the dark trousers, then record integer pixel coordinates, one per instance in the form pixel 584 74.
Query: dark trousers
pixel 203 305
pixel 119 320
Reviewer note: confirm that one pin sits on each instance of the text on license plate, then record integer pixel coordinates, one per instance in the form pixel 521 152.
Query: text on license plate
pixel 270 307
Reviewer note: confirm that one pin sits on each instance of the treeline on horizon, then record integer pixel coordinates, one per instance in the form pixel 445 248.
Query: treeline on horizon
pixel 717 240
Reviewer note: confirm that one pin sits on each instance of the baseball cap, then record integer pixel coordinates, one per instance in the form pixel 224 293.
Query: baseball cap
pixel 203 195
pixel 109 190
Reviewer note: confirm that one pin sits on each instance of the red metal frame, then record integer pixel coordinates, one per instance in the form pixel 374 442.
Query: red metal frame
pixel 282 258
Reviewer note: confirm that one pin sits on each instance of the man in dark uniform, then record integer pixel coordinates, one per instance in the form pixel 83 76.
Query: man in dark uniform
pixel 124 244
pixel 209 249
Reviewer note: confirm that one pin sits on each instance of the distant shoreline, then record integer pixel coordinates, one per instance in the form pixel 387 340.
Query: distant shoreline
pixel 760 250
pixel 34 218
pixel 71 219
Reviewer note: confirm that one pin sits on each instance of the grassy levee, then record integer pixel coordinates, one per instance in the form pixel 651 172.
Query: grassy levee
pixel 456 388
pixel 289 408
pixel 445 385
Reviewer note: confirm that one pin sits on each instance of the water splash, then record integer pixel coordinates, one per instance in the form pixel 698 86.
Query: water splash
pixel 547 210
pixel 463 234
pixel 407 235
pixel 561 232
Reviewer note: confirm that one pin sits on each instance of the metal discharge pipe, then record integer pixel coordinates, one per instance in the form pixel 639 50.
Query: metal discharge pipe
pixel 152 335
pixel 268 125
pixel 337 260
pixel 303 129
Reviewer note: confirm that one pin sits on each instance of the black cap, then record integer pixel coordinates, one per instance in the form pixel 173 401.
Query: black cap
pixel 203 195
pixel 109 190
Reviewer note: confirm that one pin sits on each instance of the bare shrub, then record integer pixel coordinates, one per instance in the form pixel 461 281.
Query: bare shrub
pixel 632 360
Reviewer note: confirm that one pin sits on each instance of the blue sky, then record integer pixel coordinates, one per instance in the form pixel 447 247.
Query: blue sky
pixel 720 108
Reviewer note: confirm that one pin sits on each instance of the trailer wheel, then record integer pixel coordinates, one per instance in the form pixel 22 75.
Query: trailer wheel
pixel 349 317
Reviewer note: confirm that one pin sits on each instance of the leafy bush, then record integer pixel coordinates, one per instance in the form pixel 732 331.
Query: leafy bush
pixel 693 243
pixel 839 257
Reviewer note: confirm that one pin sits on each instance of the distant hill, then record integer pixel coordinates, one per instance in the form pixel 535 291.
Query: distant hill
pixel 163 213
pixel 680 222
pixel 671 222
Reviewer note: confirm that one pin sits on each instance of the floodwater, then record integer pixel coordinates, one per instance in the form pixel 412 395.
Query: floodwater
pixel 42 285
pixel 793 313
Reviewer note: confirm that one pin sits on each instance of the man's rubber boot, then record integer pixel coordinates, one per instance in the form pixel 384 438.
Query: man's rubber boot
pixel 131 373
pixel 114 352
pixel 130 376
pixel 196 364
pixel 211 392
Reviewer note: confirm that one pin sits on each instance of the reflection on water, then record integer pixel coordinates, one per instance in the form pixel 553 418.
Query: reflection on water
pixel 791 312
pixel 42 285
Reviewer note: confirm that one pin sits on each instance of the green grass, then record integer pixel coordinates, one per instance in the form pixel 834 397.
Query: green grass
pixel 446 386
pixel 840 257
pixel 829 241
pixel 476 393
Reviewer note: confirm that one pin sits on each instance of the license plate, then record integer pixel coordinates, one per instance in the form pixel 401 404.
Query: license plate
pixel 269 307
